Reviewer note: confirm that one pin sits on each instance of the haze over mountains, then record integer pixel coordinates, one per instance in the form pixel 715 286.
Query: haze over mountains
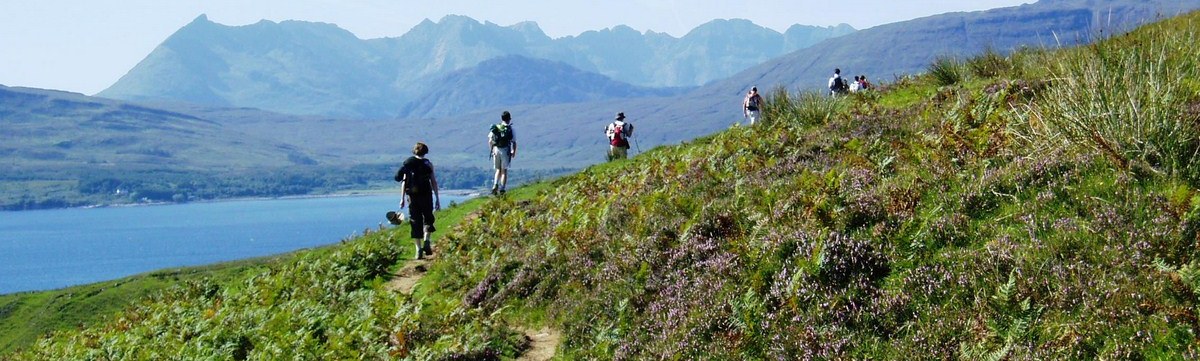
pixel 515 80
pixel 319 69
pixel 900 48
pixel 53 130
pixel 907 47
pixel 205 82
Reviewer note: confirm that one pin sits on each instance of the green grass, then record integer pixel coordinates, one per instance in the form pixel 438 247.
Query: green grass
pixel 27 315
pixel 942 220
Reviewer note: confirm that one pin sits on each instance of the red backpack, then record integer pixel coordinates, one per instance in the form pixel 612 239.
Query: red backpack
pixel 618 138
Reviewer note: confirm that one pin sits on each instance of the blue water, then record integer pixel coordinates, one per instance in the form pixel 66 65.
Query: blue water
pixel 49 249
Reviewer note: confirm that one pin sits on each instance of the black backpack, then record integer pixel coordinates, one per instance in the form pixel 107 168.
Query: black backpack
pixel 416 174
pixel 839 85
pixel 752 105
pixel 502 135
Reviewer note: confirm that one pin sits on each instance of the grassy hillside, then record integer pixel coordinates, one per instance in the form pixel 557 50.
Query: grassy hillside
pixel 1042 205
pixel 27 315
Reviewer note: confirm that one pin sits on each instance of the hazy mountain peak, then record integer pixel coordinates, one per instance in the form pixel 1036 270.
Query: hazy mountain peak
pixel 457 20
pixel 529 29
pixel 843 27
pixel 720 26
pixel 200 22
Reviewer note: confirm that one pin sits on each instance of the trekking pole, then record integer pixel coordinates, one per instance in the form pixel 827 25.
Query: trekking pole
pixel 635 144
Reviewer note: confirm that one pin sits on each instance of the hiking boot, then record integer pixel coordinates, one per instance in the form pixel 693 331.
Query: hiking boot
pixel 502 191
pixel 494 189
pixel 428 249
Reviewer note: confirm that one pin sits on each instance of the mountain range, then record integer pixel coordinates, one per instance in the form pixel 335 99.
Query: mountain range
pixel 200 129
pixel 309 68
pixel 571 134
pixel 515 80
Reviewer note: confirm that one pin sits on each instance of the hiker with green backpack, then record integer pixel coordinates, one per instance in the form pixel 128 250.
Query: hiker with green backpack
pixel 504 148
pixel 417 179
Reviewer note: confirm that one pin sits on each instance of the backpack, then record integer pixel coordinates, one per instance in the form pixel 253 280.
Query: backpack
pixel 501 135
pixel 839 85
pixel 416 174
pixel 752 105
pixel 618 137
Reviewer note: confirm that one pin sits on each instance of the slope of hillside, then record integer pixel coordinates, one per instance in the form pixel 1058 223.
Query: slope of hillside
pixel 61 130
pixel 886 51
pixel 976 212
pixel 518 80
pixel 58 142
pixel 290 67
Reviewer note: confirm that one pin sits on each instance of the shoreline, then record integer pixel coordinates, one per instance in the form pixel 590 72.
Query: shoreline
pixel 470 193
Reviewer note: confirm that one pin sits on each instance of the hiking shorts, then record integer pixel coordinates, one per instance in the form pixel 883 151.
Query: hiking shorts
pixel 615 152
pixel 420 214
pixel 754 116
pixel 501 157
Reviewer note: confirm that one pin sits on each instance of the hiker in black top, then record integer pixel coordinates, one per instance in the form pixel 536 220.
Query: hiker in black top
pixel 417 179
pixel 618 133
pixel 751 107
pixel 837 85
pixel 503 143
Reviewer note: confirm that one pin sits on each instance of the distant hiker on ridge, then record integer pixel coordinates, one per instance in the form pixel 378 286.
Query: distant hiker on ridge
pixel 618 133
pixel 504 149
pixel 837 85
pixel 420 186
pixel 863 83
pixel 855 86
pixel 751 105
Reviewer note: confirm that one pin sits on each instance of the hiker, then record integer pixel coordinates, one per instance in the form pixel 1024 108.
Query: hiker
pixel 504 148
pixel 420 187
pixel 750 106
pixel 864 84
pixel 837 85
pixel 854 86
pixel 618 133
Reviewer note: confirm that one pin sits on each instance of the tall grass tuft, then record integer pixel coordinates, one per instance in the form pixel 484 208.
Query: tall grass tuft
pixel 947 70
pixel 806 108
pixel 989 64
pixel 1122 98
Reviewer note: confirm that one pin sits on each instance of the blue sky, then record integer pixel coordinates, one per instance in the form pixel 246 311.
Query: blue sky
pixel 86 45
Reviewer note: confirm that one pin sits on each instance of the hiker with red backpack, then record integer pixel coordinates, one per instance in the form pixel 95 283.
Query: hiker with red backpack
pixel 503 143
pixel 618 133
pixel 417 179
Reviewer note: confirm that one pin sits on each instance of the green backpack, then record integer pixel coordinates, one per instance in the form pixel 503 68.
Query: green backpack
pixel 502 135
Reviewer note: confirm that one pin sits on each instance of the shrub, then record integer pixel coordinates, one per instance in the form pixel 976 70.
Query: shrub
pixel 844 260
pixel 990 64
pixel 947 71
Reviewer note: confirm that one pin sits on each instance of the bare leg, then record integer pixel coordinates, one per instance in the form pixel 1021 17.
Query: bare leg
pixel 496 181
pixel 503 180
pixel 428 249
